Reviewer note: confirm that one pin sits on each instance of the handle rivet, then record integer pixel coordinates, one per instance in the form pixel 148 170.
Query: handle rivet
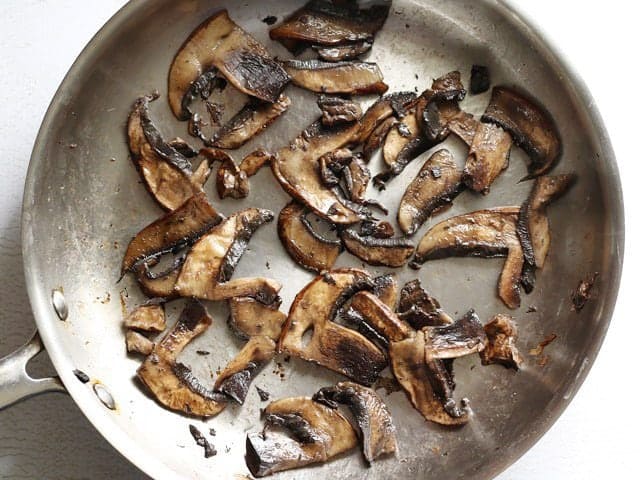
pixel 59 304
pixel 104 396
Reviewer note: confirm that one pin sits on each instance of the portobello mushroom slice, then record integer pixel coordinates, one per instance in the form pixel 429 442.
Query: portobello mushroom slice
pixel 181 227
pixel 251 120
pixel 500 347
pixel 220 43
pixel 356 78
pixel 388 252
pixel 357 177
pixel 488 157
pixel 331 345
pixel 462 337
pixel 148 318
pixel 484 233
pixel 249 318
pixel 337 110
pixel 254 161
pixel 377 431
pixel 231 181
pixel 420 309
pixel 326 23
pixel 341 53
pixel 533 223
pixel 438 182
pixel 530 125
pixel 438 105
pixel 464 126
pixel 386 289
pixel 374 229
pixel 166 172
pixel 296 167
pixel 307 248
pixel 173 384
pixel 235 380
pixel 377 137
pixel 298 432
pixel 208 268
pixel 398 104
pixel 138 343
pixel 429 385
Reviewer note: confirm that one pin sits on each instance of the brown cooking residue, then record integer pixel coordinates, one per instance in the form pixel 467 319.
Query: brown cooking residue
pixel 209 449
pixel 389 384
pixel 539 350
pixel 106 299
pixel 583 292
pixel 279 370
pixel 123 302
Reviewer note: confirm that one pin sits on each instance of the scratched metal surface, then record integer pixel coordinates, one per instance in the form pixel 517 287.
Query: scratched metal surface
pixel 89 206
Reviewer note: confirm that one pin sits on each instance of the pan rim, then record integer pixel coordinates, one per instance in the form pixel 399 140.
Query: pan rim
pixel 153 466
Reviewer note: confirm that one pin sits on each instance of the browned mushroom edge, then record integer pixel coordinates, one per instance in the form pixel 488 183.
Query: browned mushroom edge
pixel 418 308
pixel 173 384
pixel 488 156
pixel 149 317
pixel 243 61
pixel 530 125
pixel 389 252
pixel 307 248
pixel 500 346
pixel 330 344
pixel 298 431
pixel 354 77
pixel 377 432
pixel 340 53
pixel 337 110
pixel 324 23
pixel 436 185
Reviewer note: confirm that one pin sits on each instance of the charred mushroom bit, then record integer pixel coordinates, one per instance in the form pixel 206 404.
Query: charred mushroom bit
pixel 331 345
pixel 81 376
pixel 531 127
pixel 172 383
pixel 377 431
pixel 330 24
pixel 352 322
pixel 219 43
pixel 337 110
pixel 480 79
pixel 166 172
pixel 298 432
pixel 436 185
pixel 307 248
pixel 500 348
pixel 354 77
pixel 484 233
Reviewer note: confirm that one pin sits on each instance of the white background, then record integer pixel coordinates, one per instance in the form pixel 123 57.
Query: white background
pixel 47 437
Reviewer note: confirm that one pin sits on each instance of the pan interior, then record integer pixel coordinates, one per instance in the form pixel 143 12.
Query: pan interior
pixel 84 202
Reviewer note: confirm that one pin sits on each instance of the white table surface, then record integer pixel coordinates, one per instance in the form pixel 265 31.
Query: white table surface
pixel 48 438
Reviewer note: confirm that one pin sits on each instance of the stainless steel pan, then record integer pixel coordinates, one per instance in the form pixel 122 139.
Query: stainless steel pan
pixel 83 202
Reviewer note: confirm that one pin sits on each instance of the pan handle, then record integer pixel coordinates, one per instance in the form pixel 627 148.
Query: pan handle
pixel 15 382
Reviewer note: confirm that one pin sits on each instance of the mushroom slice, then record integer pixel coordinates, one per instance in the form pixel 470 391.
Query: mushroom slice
pixel 420 309
pixel 357 177
pixel 397 103
pixel 207 270
pixel 500 347
pixel 462 337
pixel 530 125
pixel 309 249
pixel 250 318
pixel 389 252
pixel 236 377
pixel 484 233
pixel 357 78
pixel 379 316
pixel 464 126
pixel 330 344
pixel 138 343
pixel 172 383
pixel 251 120
pixel 181 227
pixel 338 110
pixel 533 223
pixel 148 318
pixel 296 168
pixel 417 378
pixel 386 289
pixel 370 228
pixel 377 137
pixel 488 157
pixel 219 42
pixel 374 420
pixel 326 23
pixel 340 53
pixel 166 172
pixel 230 180
pixel 316 434
pixel 438 182
pixel 254 161
pixel 438 105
